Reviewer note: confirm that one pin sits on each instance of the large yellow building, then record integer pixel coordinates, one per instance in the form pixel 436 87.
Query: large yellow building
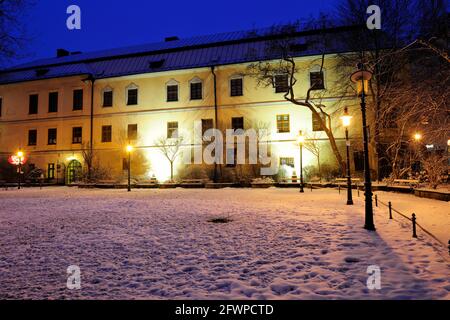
pixel 53 109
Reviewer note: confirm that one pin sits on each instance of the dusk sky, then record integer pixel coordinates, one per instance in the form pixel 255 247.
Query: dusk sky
pixel 110 24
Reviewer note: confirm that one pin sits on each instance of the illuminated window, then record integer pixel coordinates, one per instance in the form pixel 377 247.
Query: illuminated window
pixel 77 135
pixel 106 134
pixel 33 105
pixel 281 83
pixel 283 123
pixel 51 171
pixel 316 122
pixel 53 102
pixel 172 130
pixel 32 137
pixel 287 162
pixel 78 99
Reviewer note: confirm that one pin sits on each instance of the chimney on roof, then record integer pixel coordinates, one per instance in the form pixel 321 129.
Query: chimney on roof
pixel 62 53
pixel 173 38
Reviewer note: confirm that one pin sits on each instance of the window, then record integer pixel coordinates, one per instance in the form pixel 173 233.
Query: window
pixel 107 98
pixel 33 106
pixel 77 135
pixel 236 87
pixel 172 92
pixel 78 99
pixel 132 95
pixel 316 122
pixel 206 125
pixel 237 123
pixel 132 132
pixel 106 133
pixel 172 130
pixel 52 135
pixel 196 89
pixel 281 83
pixel 283 124
pixel 51 171
pixel 53 102
pixel 358 158
pixel 287 162
pixel 231 154
pixel 32 137
pixel 316 80
pixel 1 101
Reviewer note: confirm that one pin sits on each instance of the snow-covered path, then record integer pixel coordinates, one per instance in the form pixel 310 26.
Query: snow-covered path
pixel 158 244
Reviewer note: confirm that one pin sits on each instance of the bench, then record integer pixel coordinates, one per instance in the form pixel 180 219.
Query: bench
pixel 410 182
pixel 193 183
pixel 294 179
pixel 354 180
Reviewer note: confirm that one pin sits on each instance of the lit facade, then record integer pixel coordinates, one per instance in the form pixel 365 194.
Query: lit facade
pixel 140 108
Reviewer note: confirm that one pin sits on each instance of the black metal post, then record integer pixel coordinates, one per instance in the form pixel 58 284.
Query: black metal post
pixel 369 225
pixel 129 171
pixel 376 201
pixel 414 225
pixel 19 177
pixel 390 210
pixel 301 168
pixel 349 178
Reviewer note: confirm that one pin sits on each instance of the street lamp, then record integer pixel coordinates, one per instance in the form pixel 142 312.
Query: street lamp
pixel 361 78
pixel 301 141
pixel 346 120
pixel 20 156
pixel 417 136
pixel 129 149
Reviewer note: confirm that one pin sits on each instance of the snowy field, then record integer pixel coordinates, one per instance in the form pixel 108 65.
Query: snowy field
pixel 158 244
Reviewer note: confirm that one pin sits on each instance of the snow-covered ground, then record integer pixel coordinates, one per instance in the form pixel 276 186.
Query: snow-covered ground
pixel 158 244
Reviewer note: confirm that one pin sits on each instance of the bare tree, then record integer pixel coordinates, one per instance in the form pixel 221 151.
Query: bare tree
pixel 313 145
pixel 170 148
pixel 285 49
pixel 88 156
pixel 12 33
pixel 436 168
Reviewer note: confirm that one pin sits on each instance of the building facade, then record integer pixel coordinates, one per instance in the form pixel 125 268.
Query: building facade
pixel 54 110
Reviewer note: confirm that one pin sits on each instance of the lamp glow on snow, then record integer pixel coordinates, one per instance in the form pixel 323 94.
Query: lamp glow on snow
pixel 346 118
pixel 361 78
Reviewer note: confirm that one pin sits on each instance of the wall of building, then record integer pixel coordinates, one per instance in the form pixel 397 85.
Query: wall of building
pixel 257 105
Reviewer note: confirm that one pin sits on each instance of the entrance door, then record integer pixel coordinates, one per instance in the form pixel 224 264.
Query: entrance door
pixel 73 172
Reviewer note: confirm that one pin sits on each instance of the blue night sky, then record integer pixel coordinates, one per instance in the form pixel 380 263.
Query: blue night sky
pixel 110 24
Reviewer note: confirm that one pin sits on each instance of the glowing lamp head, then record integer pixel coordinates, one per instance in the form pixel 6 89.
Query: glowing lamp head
pixel 346 118
pixel 361 78
pixel 301 138
pixel 417 136
pixel 129 148
pixel 20 154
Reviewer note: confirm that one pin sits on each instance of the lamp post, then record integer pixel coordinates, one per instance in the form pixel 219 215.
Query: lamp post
pixel 361 78
pixel 346 120
pixel 301 141
pixel 129 150
pixel 20 155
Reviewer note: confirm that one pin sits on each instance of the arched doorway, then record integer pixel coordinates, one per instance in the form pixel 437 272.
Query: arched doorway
pixel 73 172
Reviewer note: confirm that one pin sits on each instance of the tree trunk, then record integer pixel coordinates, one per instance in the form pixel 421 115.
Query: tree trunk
pixel 171 170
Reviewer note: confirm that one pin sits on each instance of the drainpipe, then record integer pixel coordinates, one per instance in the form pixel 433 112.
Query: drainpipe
pixel 91 78
pixel 215 118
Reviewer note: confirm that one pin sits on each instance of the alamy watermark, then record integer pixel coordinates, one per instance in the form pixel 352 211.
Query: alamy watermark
pixel 374 20
pixel 74 278
pixel 374 279
pixel 73 22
